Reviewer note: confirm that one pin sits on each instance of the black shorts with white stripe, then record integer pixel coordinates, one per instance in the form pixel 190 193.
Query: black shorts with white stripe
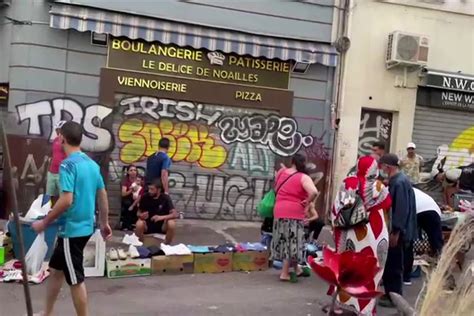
pixel 68 257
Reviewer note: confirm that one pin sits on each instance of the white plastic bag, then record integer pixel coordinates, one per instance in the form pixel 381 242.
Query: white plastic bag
pixel 36 254
pixel 36 210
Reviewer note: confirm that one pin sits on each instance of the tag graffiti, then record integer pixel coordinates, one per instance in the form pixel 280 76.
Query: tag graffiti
pixel 95 139
pixel 280 134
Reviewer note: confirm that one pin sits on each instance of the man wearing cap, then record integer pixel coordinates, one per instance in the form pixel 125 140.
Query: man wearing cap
pixel 57 156
pixel 411 164
pixel 403 226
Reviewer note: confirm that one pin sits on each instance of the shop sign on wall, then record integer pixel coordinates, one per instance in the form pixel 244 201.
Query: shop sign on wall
pixel 445 99
pixel 171 60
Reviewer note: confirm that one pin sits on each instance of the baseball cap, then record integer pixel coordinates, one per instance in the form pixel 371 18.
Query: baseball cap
pixel 411 145
pixel 389 159
pixel 59 124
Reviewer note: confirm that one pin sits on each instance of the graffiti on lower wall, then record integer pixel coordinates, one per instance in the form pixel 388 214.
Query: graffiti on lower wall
pixel 223 157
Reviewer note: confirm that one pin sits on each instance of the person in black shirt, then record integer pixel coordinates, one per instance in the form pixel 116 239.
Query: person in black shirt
pixel 156 214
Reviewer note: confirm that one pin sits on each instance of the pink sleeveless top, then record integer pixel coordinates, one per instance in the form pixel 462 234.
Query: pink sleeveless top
pixel 290 195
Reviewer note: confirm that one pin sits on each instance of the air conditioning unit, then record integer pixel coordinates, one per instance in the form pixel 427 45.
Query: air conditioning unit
pixel 405 49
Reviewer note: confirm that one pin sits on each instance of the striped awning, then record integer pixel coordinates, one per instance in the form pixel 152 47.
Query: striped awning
pixel 86 19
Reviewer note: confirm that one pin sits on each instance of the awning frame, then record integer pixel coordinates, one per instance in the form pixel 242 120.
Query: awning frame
pixel 84 19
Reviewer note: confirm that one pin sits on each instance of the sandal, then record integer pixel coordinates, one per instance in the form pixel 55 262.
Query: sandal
pixel 306 272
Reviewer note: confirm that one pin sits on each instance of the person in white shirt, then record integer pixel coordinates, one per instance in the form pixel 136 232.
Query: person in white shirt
pixel 428 216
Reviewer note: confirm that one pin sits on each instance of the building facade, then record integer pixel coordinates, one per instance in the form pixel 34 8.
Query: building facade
pixel 237 87
pixel 428 101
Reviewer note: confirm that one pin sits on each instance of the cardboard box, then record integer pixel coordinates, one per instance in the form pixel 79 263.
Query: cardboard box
pixel 128 268
pixel 153 240
pixel 212 262
pixel 172 264
pixel 250 261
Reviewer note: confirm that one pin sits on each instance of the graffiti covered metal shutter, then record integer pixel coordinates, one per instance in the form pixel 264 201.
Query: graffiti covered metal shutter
pixel 223 157
pixel 442 134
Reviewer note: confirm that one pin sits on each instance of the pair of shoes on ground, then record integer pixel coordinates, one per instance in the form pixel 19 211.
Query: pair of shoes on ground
pixel 132 240
pixel 116 254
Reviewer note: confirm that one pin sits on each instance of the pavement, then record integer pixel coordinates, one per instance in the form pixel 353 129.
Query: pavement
pixel 236 293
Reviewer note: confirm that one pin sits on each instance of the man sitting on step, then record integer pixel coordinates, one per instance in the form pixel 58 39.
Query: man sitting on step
pixel 156 213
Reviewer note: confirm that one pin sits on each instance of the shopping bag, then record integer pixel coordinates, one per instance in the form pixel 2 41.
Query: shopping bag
pixel 266 205
pixel 36 254
pixel 37 209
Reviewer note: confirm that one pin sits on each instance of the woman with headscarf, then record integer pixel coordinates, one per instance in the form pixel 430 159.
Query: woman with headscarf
pixel 370 237
pixel 294 193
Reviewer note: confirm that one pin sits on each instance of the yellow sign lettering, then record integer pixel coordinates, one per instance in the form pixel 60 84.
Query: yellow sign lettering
pixel 248 96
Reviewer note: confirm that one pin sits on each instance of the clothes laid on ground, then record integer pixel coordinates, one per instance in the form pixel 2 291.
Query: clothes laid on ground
pixel 144 252
pixel 160 205
pixel 180 249
pixel 370 238
pixel 199 249
pixel 156 251
pixel 248 246
pixel 155 164
pixel 224 248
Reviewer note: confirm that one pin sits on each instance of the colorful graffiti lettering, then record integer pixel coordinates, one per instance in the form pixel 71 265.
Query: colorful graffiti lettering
pixel 280 134
pixel 189 143
pixel 96 138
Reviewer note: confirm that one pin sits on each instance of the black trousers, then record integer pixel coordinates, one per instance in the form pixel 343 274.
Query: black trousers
pixel 128 218
pixel 430 222
pixel 408 258
pixel 393 273
pixel 315 227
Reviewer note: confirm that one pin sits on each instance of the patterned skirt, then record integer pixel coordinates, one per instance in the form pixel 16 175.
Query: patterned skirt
pixel 288 240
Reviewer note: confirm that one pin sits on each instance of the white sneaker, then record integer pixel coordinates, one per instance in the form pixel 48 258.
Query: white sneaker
pixel 135 241
pixel 132 240
pixel 121 254
pixel 113 254
pixel 133 252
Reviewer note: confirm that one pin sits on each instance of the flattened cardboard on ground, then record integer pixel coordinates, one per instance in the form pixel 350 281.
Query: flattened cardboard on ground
pixel 212 262
pixel 250 261
pixel 153 240
pixel 128 268
pixel 172 264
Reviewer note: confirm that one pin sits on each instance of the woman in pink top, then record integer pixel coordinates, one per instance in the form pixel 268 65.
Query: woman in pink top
pixel 294 192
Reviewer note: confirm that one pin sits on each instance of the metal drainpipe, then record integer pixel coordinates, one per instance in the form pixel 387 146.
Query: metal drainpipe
pixel 343 23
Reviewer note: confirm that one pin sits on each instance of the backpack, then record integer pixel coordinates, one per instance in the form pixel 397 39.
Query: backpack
pixel 352 214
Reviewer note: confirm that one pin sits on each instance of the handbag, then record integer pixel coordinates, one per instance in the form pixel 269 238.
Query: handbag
pixel 352 214
pixel 266 205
